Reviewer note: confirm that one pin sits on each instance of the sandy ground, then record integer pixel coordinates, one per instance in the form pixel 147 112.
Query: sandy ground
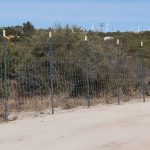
pixel 111 127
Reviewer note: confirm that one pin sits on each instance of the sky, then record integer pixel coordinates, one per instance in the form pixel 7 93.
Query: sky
pixel 121 15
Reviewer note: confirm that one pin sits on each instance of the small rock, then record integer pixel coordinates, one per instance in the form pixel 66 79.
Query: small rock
pixel 12 117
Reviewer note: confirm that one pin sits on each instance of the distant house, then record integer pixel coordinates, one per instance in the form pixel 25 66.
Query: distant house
pixel 108 38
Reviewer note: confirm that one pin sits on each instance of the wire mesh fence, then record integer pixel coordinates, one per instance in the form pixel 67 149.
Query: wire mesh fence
pixel 68 75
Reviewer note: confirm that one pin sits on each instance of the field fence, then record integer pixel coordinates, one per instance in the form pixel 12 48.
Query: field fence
pixel 68 75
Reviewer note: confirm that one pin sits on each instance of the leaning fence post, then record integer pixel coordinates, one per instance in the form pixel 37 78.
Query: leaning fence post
pixel 86 72
pixel 51 72
pixel 5 77
pixel 118 70
pixel 142 71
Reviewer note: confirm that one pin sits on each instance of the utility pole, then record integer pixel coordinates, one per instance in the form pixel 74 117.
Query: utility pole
pixel 101 26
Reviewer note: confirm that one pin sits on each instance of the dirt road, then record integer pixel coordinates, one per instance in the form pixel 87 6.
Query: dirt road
pixel 111 127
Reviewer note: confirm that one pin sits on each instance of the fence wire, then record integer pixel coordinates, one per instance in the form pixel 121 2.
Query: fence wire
pixel 68 75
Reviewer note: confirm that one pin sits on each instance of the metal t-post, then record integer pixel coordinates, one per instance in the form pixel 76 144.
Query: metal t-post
pixel 118 70
pixel 86 72
pixel 5 79
pixel 142 71
pixel 51 73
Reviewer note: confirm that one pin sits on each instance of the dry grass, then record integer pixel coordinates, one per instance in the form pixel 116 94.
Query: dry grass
pixel 63 101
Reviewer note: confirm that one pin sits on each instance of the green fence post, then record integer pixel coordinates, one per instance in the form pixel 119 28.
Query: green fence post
pixel 142 71
pixel 118 70
pixel 51 71
pixel 86 72
pixel 5 78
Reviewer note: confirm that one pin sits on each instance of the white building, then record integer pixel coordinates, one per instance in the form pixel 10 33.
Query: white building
pixel 108 38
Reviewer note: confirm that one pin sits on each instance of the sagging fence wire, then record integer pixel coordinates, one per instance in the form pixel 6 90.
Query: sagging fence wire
pixel 67 75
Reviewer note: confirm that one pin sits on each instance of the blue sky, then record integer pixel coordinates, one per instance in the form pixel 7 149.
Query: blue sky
pixel 122 15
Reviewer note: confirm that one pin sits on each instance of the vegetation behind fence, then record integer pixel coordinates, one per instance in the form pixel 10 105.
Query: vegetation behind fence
pixel 37 75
